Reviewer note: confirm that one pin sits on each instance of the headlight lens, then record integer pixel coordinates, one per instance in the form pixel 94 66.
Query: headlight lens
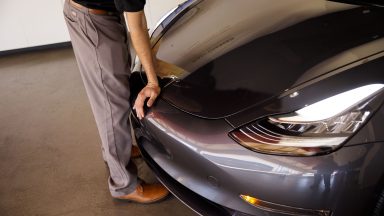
pixel 315 129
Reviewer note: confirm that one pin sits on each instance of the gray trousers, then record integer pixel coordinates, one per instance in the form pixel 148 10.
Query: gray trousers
pixel 99 43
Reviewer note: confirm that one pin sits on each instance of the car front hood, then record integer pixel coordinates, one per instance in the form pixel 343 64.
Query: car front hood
pixel 267 66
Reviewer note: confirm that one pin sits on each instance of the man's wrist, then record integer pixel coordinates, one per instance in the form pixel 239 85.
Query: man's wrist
pixel 152 79
pixel 153 83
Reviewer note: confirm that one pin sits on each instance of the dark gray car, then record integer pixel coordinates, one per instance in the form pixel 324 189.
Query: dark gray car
pixel 269 107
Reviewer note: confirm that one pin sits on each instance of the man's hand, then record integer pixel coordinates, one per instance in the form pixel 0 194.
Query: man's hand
pixel 151 91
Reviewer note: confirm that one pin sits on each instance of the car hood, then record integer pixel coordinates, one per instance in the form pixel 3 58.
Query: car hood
pixel 265 66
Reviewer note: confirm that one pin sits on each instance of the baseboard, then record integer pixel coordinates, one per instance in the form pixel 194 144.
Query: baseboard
pixel 36 48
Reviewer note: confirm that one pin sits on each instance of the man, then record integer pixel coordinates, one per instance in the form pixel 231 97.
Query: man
pixel 99 41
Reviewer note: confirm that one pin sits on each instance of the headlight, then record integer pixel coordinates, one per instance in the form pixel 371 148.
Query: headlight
pixel 315 129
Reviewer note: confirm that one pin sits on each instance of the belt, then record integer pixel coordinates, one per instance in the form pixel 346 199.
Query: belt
pixel 90 10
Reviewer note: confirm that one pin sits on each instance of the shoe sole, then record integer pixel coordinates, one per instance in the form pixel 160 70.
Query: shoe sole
pixel 144 203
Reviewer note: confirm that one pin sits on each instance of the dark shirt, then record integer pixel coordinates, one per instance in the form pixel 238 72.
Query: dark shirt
pixel 114 5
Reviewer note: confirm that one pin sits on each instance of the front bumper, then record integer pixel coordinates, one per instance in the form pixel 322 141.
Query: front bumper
pixel 208 171
pixel 197 203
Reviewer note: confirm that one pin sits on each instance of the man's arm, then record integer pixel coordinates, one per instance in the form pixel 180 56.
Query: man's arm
pixel 139 35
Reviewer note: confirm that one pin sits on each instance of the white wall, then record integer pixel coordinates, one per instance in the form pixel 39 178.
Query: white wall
pixel 28 23
pixel 156 9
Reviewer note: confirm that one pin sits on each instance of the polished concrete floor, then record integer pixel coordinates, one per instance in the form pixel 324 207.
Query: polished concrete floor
pixel 50 159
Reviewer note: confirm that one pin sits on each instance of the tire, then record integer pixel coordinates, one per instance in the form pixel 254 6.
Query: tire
pixel 379 206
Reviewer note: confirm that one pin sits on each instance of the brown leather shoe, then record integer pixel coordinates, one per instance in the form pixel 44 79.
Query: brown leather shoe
pixel 146 193
pixel 135 152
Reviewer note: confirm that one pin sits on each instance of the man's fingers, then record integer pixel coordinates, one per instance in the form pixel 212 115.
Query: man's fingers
pixel 151 100
pixel 147 92
pixel 139 103
pixel 140 113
